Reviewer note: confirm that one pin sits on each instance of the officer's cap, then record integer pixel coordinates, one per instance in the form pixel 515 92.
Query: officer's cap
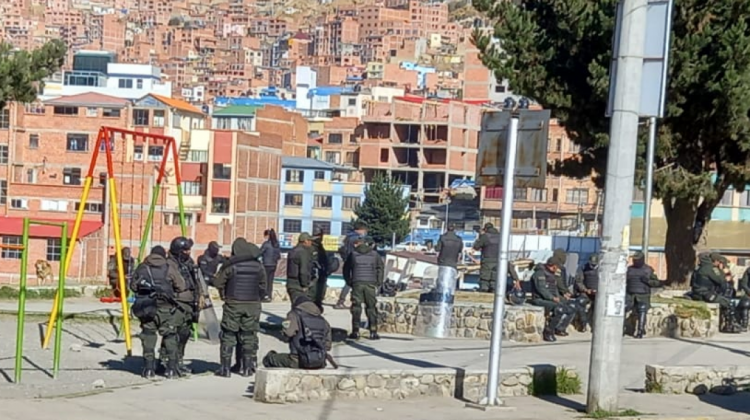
pixel 594 259
pixel 638 256
pixel 214 244
pixel 488 226
pixel 304 236
pixel 554 261
pixel 715 256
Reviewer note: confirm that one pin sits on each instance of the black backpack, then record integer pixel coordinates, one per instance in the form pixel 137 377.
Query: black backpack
pixel 310 341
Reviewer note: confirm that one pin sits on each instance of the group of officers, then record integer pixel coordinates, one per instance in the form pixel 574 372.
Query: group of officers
pixel 169 290
pixel 564 302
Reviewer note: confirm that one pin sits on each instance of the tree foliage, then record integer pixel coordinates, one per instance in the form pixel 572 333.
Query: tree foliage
pixel 384 210
pixel 558 52
pixel 21 72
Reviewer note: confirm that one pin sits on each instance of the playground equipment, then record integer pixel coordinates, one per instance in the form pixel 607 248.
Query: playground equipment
pixel 24 248
pixel 105 139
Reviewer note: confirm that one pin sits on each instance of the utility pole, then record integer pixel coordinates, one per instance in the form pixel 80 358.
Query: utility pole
pixel 606 348
pixel 649 193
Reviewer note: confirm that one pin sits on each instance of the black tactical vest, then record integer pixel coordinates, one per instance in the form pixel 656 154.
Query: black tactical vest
pixel 450 251
pixel 550 283
pixel 637 280
pixel 491 249
pixel 154 280
pixel 365 267
pixel 309 343
pixel 244 285
pixel 590 277
pixel 292 267
pixel 211 264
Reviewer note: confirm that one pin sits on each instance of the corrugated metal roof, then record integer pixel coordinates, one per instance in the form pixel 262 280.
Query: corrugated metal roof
pixel 237 111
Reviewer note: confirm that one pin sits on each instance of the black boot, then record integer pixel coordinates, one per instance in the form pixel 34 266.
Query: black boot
pixel 744 318
pixel 354 335
pixel 184 370
pixel 149 369
pixel 549 335
pixel 248 367
pixel 562 325
pixel 239 365
pixel 374 335
pixel 225 369
pixel 640 329
pixel 730 322
pixel 172 371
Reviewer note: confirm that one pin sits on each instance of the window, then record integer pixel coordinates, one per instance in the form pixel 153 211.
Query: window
pixel 125 83
pixel 138 152
pixel 90 207
pixel 335 138
pixel 745 199
pixel 333 157
pixel 352 138
pixel 3 191
pixel 92 112
pixel 222 171
pixel 33 141
pixel 66 110
pixel 53 205
pixel 140 117
pixel 54 249
pixel 3 154
pixel 191 188
pixel 322 201
pixel 103 146
pixel 350 203
pixel 173 219
pixel 519 194
pixel 14 254
pixel 294 175
pixel 155 153
pixel 294 200
pixel 538 195
pixel 111 113
pixel 158 118
pixel 352 158
pixel 176 121
pixel 220 205
pixel 726 199
pixel 31 176
pixel 198 156
pixel 34 109
pixel 72 176
pixel 292 226
pixel 139 84
pixel 577 196
pixel 384 155
pixel 324 226
pixel 320 175
pixel 555 195
pixel 5 118
pixel 77 142
pixel 352 101
pixel 19 203
pixel 346 227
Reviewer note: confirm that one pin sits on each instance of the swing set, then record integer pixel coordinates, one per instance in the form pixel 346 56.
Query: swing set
pixel 105 140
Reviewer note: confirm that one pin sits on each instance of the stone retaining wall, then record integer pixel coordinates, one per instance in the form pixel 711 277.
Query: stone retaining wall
pixel 469 320
pixel 290 385
pixel 697 379
pixel 670 320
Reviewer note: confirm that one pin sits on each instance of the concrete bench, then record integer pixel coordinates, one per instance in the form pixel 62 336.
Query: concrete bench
pixel 697 379
pixel 293 385
pixel 681 318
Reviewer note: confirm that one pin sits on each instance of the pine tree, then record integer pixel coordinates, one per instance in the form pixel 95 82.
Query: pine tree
pixel 21 72
pixel 558 52
pixel 384 210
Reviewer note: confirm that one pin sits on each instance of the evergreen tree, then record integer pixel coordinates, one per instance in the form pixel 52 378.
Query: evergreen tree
pixel 21 72
pixel 558 52
pixel 384 210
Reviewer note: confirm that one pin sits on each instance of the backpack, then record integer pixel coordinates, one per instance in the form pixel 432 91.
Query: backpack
pixel 310 341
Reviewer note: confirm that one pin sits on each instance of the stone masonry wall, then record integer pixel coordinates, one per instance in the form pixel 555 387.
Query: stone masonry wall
pixel 469 320
pixel 667 320
pixel 291 386
pixel 697 379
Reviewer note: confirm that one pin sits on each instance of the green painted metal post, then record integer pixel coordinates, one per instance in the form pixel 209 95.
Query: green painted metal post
pixel 61 292
pixel 183 229
pixel 149 221
pixel 22 301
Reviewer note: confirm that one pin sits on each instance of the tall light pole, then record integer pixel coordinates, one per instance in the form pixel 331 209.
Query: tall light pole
pixel 649 193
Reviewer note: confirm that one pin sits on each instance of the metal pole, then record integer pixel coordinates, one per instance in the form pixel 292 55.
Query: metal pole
pixel 60 292
pixel 496 347
pixel 22 301
pixel 649 186
pixel 606 347
pixel 447 209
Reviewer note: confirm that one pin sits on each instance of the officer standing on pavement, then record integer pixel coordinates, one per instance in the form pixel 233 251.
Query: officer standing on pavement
pixel 299 268
pixel 360 229
pixel 191 300
pixel 210 261
pixel 709 284
pixel 324 263
pixel 449 247
pixel 242 280
pixel 549 293
pixel 309 336
pixel 640 278
pixel 363 272
pixel 743 292
pixel 587 283
pixel 156 284
pixel 488 244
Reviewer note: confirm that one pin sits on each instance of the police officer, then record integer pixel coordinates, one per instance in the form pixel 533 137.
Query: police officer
pixel 363 272
pixel 360 229
pixel 299 268
pixel 640 278
pixel 587 283
pixel 548 291
pixel 309 337
pixel 449 248
pixel 242 280
pixel 191 300
pixel 743 293
pixel 488 244
pixel 128 265
pixel 709 284
pixel 210 261
pixel 324 264
pixel 156 284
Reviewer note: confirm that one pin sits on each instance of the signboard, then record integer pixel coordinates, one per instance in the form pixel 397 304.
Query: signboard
pixel 331 243
pixel 531 153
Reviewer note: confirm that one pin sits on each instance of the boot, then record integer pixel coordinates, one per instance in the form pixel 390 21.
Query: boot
pixel 225 371
pixel 239 365
pixel 549 335
pixel 640 329
pixel 730 322
pixel 340 305
pixel 248 367
pixel 149 369
pixel 374 335
pixel 172 371
pixel 744 318
pixel 184 370
pixel 562 325
pixel 354 335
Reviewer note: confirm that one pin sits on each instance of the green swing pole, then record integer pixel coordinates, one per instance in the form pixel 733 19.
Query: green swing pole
pixel 149 220
pixel 22 300
pixel 60 291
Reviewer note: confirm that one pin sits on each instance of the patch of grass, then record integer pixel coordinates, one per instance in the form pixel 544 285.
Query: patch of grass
pixel 11 293
pixel 104 292
pixel 567 383
pixel 685 308
pixel 654 387
pixel 603 414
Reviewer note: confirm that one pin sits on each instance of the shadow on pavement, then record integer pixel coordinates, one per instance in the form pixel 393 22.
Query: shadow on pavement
pixel 130 364
pixel 393 357
pixel 37 367
pixel 202 366
pixel 739 403
pixel 563 402
pixel 6 376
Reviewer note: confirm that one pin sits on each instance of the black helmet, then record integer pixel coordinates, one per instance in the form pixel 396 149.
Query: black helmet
pixel 179 244
pixel 517 297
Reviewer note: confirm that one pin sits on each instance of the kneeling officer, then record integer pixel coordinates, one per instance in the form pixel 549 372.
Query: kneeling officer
pixel 156 284
pixel 242 282
pixel 309 337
